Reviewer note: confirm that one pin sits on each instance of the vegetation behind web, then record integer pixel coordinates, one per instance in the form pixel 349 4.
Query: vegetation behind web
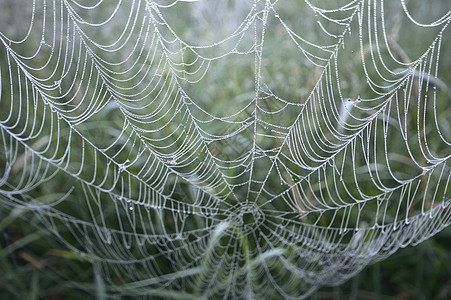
pixel 36 266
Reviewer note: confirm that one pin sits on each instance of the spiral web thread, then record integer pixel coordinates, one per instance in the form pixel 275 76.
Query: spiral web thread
pixel 249 149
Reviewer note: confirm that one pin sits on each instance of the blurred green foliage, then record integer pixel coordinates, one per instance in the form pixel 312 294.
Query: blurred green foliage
pixel 35 265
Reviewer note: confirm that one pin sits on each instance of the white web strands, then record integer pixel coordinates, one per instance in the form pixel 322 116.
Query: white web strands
pixel 249 149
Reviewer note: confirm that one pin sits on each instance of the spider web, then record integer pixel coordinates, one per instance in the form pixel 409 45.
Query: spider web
pixel 249 149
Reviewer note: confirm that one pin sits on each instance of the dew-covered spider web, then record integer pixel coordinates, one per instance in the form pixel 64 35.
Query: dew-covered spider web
pixel 227 149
